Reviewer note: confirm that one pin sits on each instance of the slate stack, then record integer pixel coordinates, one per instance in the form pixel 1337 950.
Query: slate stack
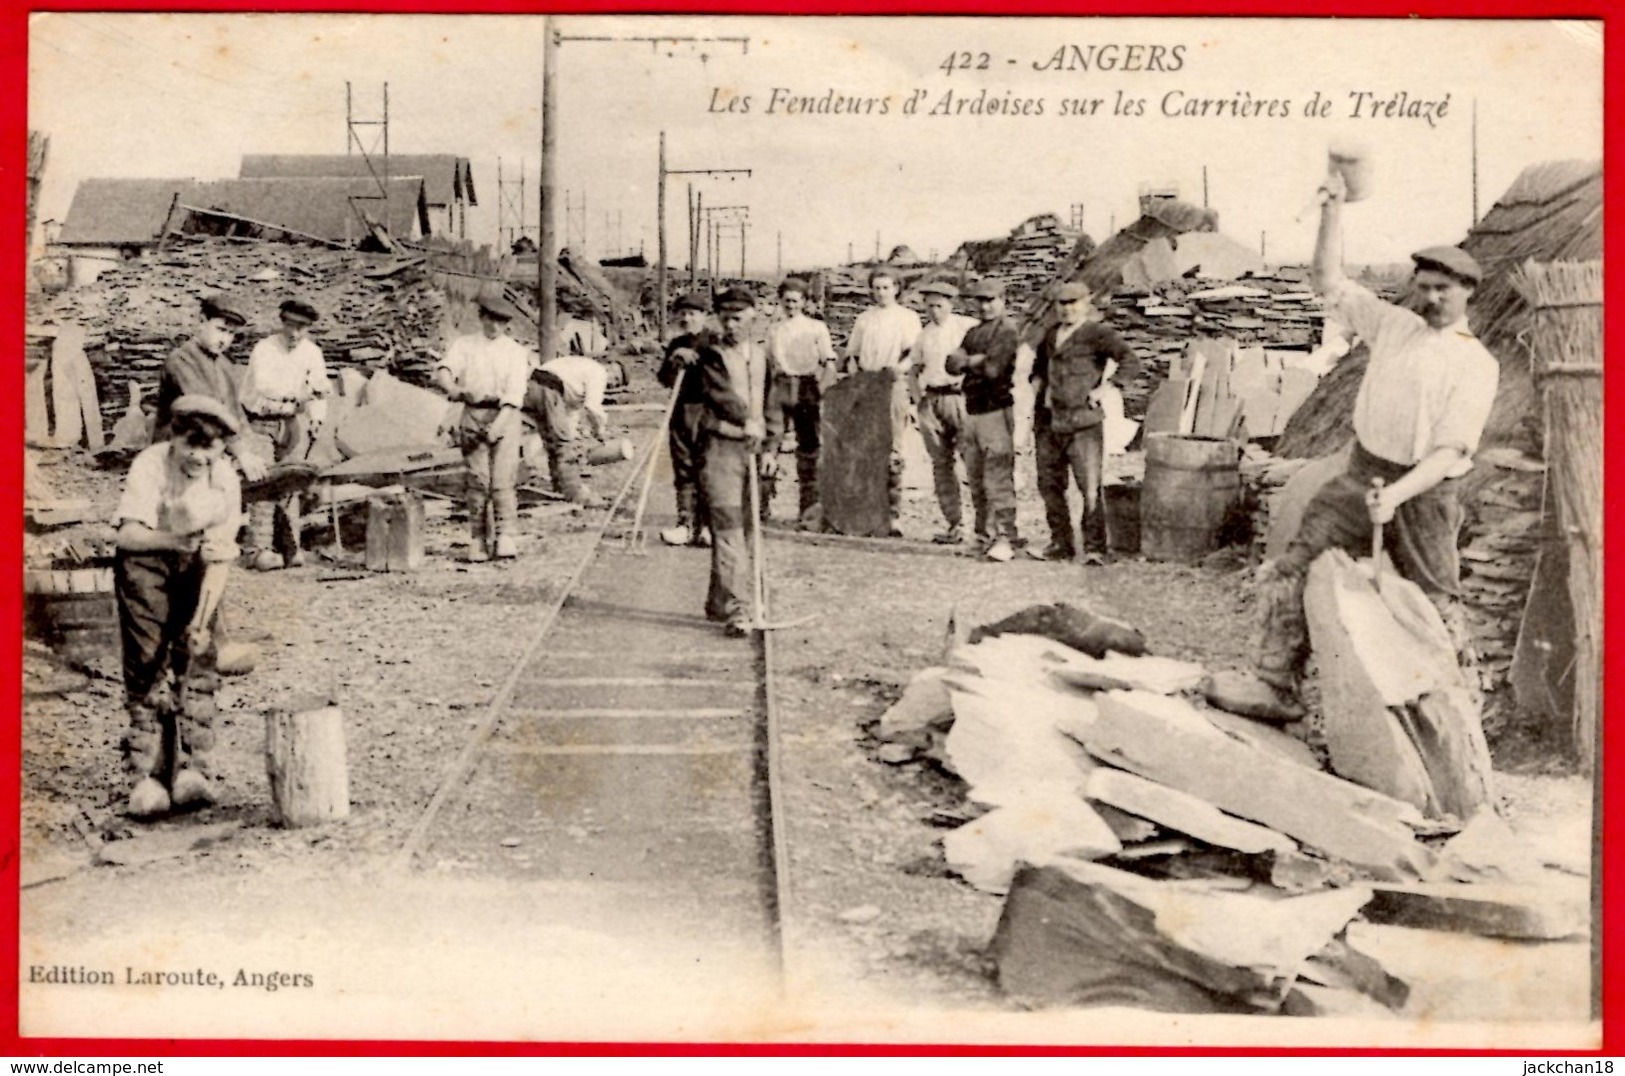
pixel 379 311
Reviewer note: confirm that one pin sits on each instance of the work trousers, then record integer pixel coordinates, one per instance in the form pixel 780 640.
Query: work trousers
pixel 1077 455
pixel 1421 539
pixel 942 428
pixel 686 440
pixel 169 691
pixel 726 481
pixel 559 429
pixel 492 470
pixel 899 429
pixel 290 439
pixel 798 399
pixel 990 464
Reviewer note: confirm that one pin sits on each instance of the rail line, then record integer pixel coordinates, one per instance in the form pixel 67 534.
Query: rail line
pixel 631 742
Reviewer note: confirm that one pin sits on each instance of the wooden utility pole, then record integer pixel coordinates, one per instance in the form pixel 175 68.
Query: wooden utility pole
pixel 547 257
pixel 744 226
pixel 660 218
pixel 692 205
pixel 1204 186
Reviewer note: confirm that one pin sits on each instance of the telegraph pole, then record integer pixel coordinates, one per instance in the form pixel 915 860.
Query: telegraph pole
pixel 660 290
pixel 547 258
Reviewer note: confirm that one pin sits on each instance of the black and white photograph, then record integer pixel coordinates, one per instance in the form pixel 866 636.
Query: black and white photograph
pixel 583 528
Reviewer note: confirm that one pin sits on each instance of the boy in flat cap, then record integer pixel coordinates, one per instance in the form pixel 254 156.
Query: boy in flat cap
pixel 740 432
pixel 986 358
pixel 177 536
pixel 685 436
pixel 1418 417
pixel 486 372
pixel 880 340
pixel 1075 359
pixel 800 353
pixel 284 394
pixel 941 400
pixel 199 367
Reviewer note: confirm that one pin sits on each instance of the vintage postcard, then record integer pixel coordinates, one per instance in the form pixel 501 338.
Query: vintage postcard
pixel 1174 616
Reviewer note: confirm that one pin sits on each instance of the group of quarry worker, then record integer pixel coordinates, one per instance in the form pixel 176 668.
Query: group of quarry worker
pixel 1420 412
pixel 180 513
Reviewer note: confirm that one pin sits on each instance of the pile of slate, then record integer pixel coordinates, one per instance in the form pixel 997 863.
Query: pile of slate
pixel 1037 248
pixel 1157 852
pixel 378 311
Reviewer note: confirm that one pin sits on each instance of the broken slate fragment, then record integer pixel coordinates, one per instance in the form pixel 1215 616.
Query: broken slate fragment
pixel 1077 627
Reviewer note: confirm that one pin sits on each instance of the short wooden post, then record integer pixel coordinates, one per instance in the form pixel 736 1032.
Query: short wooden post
pixel 395 526
pixel 304 757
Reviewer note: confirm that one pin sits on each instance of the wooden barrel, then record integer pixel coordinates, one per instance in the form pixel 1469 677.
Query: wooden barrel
pixel 1192 485
pixel 74 610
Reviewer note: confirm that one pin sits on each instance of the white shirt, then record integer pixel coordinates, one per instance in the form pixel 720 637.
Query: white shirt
pixel 881 335
pixel 584 381
pixel 933 346
pixel 281 381
pixel 158 494
pixel 798 346
pixel 1424 388
pixel 492 371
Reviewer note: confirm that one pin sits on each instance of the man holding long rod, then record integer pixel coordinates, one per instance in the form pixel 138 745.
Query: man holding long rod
pixel 1420 412
pixel 741 432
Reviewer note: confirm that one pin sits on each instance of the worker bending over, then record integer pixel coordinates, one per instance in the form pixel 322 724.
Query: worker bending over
pixel 559 394
pixel 177 536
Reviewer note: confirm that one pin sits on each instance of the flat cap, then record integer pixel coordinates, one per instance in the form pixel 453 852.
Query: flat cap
pixel 208 408
pixel 939 287
pixel 692 300
pixel 988 289
pixel 1072 291
pixel 1452 260
pixel 735 299
pixel 223 307
pixel 298 308
pixel 497 307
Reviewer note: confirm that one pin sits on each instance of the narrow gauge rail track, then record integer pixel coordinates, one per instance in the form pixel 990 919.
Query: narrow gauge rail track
pixel 631 745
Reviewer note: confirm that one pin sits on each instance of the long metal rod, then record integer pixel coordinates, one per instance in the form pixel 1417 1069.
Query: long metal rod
pixel 767 762
pixel 635 538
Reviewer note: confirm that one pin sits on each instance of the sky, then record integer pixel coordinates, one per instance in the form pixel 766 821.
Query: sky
pixel 132 94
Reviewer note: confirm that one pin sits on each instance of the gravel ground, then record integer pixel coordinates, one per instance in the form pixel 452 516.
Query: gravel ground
pixel 413 658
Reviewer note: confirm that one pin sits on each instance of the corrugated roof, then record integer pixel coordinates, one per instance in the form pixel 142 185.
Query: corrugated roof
pixel 115 212
pixel 318 206
pixel 445 175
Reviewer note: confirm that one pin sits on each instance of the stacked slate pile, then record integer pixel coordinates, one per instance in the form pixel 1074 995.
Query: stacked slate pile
pixel 1275 312
pixel 1499 542
pixel 378 311
pixel 1037 248
pixel 1155 851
